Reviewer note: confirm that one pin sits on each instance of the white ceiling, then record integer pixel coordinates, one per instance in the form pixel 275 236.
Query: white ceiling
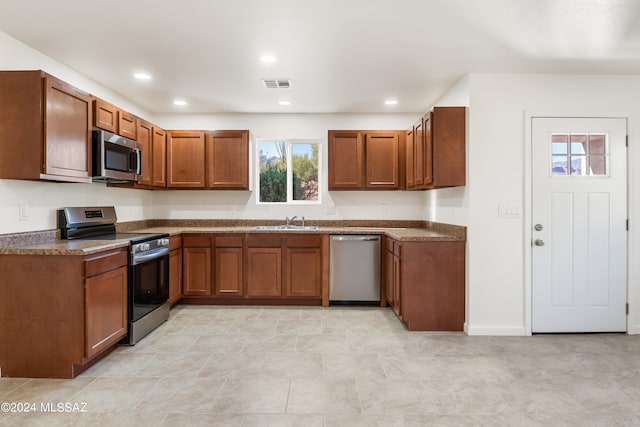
pixel 343 56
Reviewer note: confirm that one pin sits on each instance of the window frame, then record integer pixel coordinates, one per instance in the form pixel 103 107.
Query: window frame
pixel 289 142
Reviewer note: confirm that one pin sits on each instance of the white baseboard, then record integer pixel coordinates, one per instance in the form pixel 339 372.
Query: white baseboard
pixel 634 330
pixel 494 330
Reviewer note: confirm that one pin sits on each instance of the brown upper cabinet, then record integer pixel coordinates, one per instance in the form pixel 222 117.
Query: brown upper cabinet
pixel 419 158
pixel 345 160
pixel 208 160
pixel 159 158
pixel 45 129
pixel 445 138
pixel 438 159
pixel 186 159
pixel 152 143
pixel 228 160
pixel 145 142
pixel 410 167
pixel 112 119
pixel 364 160
pixel 127 125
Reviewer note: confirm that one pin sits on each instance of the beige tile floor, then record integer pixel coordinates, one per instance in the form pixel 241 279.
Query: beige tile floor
pixel 265 366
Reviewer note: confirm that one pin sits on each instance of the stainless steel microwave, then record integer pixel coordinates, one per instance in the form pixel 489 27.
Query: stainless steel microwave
pixel 115 158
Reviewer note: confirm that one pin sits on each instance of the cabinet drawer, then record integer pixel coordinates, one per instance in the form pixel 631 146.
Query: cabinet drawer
pixel 304 241
pixel 175 242
pixel 196 242
pixel 264 241
pixel 229 241
pixel 104 261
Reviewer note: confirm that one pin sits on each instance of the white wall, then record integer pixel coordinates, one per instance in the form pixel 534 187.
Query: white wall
pixel 496 154
pixel 43 198
pixel 242 204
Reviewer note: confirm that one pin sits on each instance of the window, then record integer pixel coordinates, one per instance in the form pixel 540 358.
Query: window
pixel 580 154
pixel 288 171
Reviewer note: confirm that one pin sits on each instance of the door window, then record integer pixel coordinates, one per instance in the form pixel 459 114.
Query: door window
pixel 579 154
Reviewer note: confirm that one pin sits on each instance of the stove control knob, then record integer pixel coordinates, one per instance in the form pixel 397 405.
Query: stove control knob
pixel 163 242
pixel 147 246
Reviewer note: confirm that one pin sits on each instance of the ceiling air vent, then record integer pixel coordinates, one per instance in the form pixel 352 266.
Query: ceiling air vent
pixel 277 83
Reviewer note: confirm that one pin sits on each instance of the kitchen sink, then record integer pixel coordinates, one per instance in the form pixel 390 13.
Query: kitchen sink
pixel 286 227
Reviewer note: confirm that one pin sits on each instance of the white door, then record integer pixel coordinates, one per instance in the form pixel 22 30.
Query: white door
pixel 579 253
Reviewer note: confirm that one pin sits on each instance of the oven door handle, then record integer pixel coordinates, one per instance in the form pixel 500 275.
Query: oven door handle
pixel 142 258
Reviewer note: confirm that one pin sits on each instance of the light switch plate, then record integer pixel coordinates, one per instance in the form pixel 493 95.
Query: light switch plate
pixel 509 210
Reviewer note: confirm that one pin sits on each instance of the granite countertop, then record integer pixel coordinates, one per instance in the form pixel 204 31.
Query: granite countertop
pixel 64 247
pixel 404 234
pixel 50 244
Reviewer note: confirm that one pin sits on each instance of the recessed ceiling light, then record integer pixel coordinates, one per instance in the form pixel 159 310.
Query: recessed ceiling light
pixel 391 102
pixel 142 76
pixel 268 59
pixel 180 102
pixel 284 103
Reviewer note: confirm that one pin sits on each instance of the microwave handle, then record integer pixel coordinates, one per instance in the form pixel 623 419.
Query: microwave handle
pixel 135 160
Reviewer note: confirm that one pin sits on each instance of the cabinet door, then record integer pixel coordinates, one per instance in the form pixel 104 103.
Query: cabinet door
pixel 67 130
pixel 145 135
pixel 175 276
pixel 105 310
pixel 381 157
pixel 410 165
pixel 345 160
pixel 389 276
pixel 419 156
pixel 229 266
pixel 228 160
pixel 196 270
pixel 448 135
pixel 264 272
pixel 303 272
pixel 428 148
pixel 105 116
pixel 185 160
pixel 127 125
pixel 397 284
pixel 159 158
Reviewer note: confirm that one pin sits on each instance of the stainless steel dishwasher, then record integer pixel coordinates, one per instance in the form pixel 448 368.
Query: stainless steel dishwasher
pixel 354 276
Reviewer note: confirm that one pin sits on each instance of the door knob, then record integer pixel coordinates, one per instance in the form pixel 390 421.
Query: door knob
pixel 538 227
pixel 538 242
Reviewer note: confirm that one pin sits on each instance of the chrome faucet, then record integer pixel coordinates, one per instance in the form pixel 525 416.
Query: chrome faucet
pixel 289 220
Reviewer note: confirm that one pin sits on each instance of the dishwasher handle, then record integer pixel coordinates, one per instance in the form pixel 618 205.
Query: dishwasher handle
pixel 355 238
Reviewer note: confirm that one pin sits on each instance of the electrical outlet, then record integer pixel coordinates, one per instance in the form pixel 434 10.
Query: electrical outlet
pixel 23 213
pixel 383 210
pixel 331 209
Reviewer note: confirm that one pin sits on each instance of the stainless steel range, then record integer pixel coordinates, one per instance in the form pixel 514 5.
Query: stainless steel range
pixel 148 264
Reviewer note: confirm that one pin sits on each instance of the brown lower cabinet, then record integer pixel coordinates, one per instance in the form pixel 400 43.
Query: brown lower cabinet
pixel 303 266
pixel 425 283
pixel 254 268
pixel 196 266
pixel 175 269
pixel 229 266
pixel 60 313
